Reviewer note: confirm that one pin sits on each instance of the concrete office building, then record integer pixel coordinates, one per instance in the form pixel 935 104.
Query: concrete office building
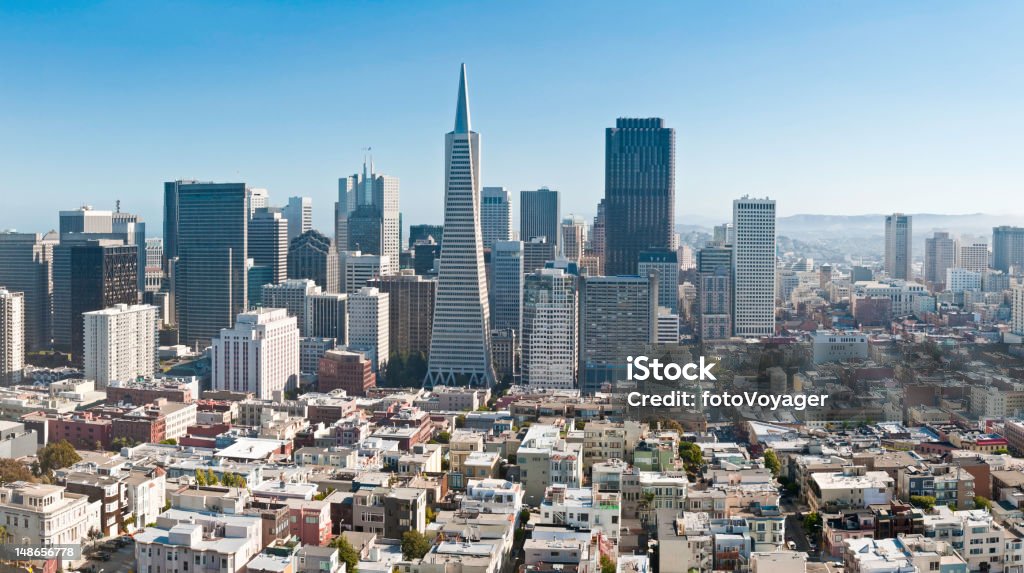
pixel 714 292
pixel 899 246
pixel 754 267
pixel 664 265
pixel 121 343
pixel 369 322
pixel 358 268
pixel 940 255
pixel 549 339
pixel 574 237
pixel 507 285
pixel 617 319
pixel 495 216
pixel 639 195
pixel 260 354
pixel 291 295
pixel 411 311
pixel 326 316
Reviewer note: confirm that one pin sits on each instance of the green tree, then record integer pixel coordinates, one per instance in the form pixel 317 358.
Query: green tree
pixel 200 477
pixel 460 421
pixel 12 470
pixel 771 461
pixel 56 456
pixel 346 553
pixel 692 457
pixel 442 437
pixel 923 501
pixel 211 478
pixel 607 564
pixel 1000 451
pixel 415 545
pixel 982 503
pixel 812 521
pixel 524 516
pixel 169 442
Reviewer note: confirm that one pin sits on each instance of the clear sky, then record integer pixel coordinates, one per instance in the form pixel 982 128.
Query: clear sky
pixel 828 106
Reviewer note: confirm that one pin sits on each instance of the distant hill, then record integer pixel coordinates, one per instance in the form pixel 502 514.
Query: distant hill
pixel 839 226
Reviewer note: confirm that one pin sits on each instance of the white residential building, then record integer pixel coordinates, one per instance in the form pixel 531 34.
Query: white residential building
pixel 550 339
pixel 982 542
pixel 260 354
pixel 582 508
pixel 851 488
pixel 42 514
pixel 120 343
pixel 754 267
pixel 12 336
pixel 369 321
pixel 1017 313
pixel 206 542
pixel 545 458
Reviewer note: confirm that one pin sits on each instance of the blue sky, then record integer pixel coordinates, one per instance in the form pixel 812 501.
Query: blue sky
pixel 827 106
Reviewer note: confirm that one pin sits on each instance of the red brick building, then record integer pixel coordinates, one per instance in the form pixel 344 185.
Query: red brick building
pixel 84 430
pixel 348 371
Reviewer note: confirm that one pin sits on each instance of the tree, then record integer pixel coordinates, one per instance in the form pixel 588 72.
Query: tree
pixel 169 442
pixel 923 501
pixel 1000 451
pixel 13 470
pixel 692 457
pixel 771 461
pixel 442 437
pixel 524 516
pixel 346 553
pixel 200 477
pixel 56 456
pixel 607 565
pixel 414 545
pixel 982 503
pixel 431 515
pixel 812 521
pixel 460 421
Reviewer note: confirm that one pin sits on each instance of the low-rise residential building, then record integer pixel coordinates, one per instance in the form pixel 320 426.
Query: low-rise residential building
pixel 208 543
pixel 582 508
pixel 852 488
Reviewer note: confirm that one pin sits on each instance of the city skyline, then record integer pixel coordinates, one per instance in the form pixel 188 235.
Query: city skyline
pixel 898 144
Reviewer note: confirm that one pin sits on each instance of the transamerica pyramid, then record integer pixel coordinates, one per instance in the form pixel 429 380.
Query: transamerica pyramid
pixel 460 343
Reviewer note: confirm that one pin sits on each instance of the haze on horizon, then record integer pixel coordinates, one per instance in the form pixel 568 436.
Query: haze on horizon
pixel 830 108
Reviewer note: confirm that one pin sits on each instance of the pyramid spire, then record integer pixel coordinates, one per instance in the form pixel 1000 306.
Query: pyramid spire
pixel 462 106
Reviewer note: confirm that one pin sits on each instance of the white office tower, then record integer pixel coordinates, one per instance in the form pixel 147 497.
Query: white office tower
pixel 507 285
pixel 258 199
pixel 460 344
pixel 12 336
pixel 260 354
pixel 972 256
pixel 667 326
pixel 550 339
pixel 1017 310
pixel 368 320
pixel 299 212
pixel 574 237
pixel 367 213
pixel 120 343
pixel 664 264
pixel 898 245
pixel 495 216
pixel 753 222
pixel 327 316
pixel 291 295
pixel 357 269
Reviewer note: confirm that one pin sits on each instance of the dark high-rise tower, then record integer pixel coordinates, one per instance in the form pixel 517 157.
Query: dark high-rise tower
pixel 539 215
pixel 1007 248
pixel 639 191
pixel 209 223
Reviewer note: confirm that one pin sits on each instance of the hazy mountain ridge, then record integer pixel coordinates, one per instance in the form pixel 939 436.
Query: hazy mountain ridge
pixel 811 225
